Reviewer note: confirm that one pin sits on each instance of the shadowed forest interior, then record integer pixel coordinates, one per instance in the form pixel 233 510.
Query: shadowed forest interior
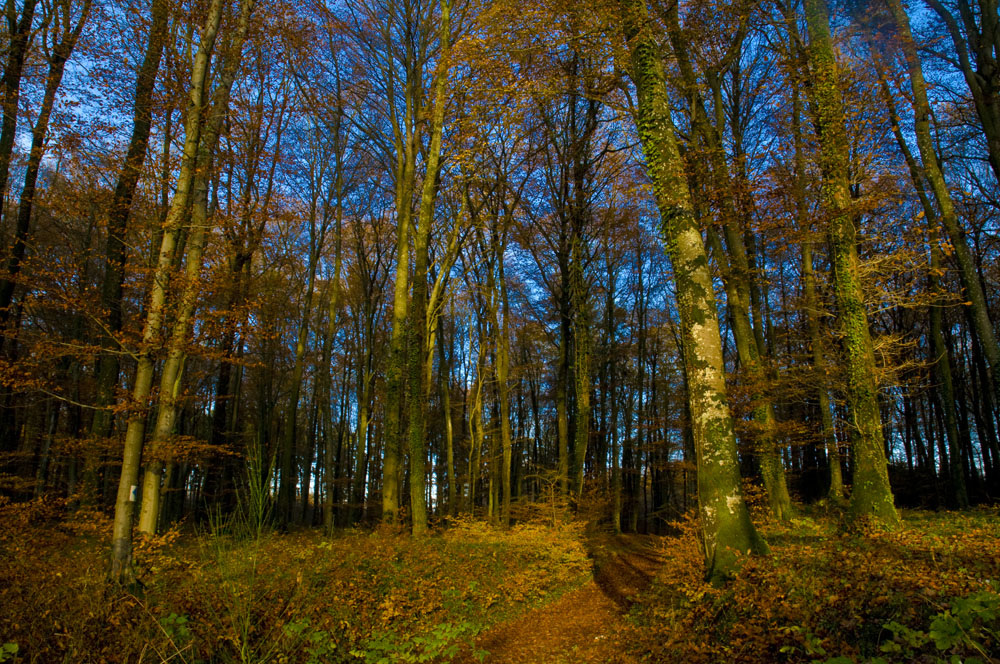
pixel 657 330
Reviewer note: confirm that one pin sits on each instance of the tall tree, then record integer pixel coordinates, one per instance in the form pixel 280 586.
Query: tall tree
pixel 990 105
pixel 871 497
pixel 64 28
pixel 121 570
pixel 725 521
pixel 116 249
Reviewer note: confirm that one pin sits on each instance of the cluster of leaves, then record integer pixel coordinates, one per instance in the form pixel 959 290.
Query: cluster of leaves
pixel 377 596
pixel 928 592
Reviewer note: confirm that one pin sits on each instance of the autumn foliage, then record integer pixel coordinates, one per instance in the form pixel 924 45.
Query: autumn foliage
pixel 928 592
pixel 357 597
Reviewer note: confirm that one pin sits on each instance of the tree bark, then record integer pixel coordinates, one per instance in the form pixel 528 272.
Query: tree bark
pixel 108 366
pixel 726 528
pixel 871 497
pixel 121 570
pixel 967 273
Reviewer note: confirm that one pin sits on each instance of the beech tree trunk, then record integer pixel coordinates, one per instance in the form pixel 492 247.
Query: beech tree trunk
pixel 116 251
pixel 726 527
pixel 871 497
pixel 121 543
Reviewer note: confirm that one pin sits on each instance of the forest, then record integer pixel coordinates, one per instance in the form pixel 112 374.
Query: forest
pixel 496 330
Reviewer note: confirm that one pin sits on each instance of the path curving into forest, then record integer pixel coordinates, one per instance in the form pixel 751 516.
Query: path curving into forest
pixel 580 625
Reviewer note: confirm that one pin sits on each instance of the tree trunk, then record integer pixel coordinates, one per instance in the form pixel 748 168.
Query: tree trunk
pixel 121 544
pixel 108 366
pixel 967 274
pixel 173 367
pixel 68 34
pixel 871 497
pixel 18 37
pixel 726 527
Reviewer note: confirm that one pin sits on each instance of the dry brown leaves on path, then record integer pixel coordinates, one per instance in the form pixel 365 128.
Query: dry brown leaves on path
pixel 581 625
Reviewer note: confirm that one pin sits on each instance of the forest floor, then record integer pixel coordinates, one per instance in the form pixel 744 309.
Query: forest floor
pixel 580 626
pixel 928 592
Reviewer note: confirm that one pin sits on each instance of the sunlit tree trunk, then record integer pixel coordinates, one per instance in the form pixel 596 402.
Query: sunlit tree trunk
pixel 108 365
pixel 737 275
pixel 121 543
pixel 171 374
pixel 726 527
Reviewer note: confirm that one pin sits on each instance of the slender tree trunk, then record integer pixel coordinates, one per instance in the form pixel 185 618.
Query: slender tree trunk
pixel 942 370
pixel 121 544
pixel 941 361
pixel 108 365
pixel 19 36
pixel 173 367
pixel 418 376
pixel 967 274
pixel 562 404
pixel 68 34
pixel 811 305
pixel 289 473
pixel 581 361
pixel 406 154
pixel 503 388
pixel 444 372
pixel 172 371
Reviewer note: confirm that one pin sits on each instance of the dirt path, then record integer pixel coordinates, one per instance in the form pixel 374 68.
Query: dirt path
pixel 579 626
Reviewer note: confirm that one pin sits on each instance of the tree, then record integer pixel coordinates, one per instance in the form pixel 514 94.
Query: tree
pixel 871 497
pixel 121 544
pixel 115 253
pixel 65 32
pixel 725 521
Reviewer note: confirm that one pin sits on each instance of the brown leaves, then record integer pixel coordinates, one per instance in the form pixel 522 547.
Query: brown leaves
pixel 821 589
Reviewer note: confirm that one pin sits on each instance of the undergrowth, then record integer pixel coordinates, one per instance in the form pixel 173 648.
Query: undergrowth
pixel 929 592
pixel 361 596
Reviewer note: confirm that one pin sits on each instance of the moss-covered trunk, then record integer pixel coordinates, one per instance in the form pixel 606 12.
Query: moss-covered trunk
pixel 871 497
pixel 726 526
pixel 735 267
pixel 967 274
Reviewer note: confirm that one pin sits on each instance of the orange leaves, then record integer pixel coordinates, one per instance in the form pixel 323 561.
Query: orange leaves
pixel 820 591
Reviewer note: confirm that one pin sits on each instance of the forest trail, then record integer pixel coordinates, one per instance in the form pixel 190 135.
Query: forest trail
pixel 580 625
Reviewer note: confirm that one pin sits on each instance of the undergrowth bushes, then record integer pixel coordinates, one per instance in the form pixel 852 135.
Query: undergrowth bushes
pixel 370 597
pixel 927 593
